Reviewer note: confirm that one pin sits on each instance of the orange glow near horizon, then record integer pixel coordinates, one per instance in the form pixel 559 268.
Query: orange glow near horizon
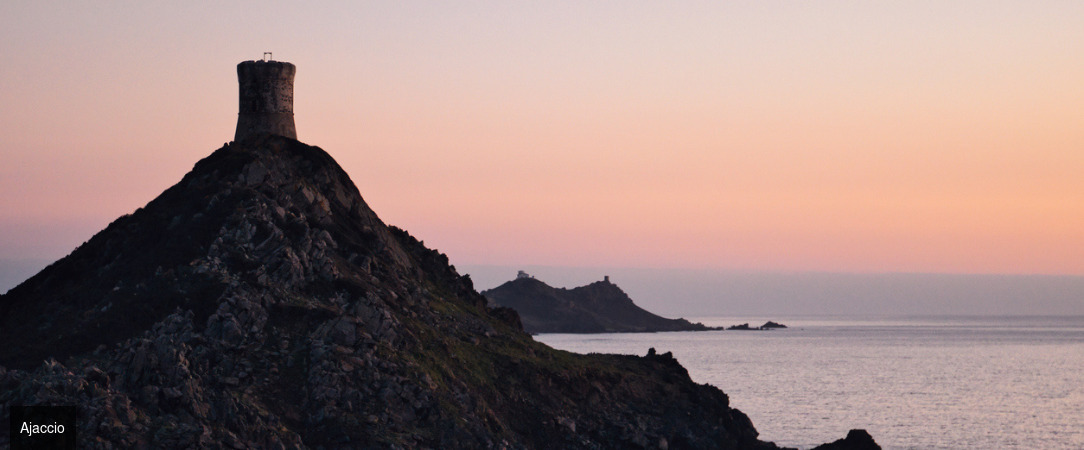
pixel 770 136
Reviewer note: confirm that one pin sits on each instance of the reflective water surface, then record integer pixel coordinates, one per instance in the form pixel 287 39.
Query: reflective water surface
pixel 913 382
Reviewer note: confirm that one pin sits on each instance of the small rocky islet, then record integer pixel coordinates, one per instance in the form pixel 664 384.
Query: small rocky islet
pixel 769 325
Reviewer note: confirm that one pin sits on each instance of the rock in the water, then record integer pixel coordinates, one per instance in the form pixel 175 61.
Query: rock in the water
pixel 855 440
pixel 767 326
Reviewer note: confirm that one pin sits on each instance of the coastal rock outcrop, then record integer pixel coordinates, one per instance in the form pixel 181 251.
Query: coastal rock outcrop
pixel 260 303
pixel 855 440
pixel 600 307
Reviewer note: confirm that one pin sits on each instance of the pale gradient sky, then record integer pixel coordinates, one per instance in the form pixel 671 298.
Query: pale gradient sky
pixel 910 136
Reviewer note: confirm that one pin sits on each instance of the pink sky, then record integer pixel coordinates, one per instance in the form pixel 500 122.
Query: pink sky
pixel 823 136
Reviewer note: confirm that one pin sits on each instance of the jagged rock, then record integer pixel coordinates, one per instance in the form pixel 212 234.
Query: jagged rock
pixel 855 440
pixel 260 303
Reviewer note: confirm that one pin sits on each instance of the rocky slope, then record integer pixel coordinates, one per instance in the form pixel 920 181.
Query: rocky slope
pixel 260 303
pixel 599 307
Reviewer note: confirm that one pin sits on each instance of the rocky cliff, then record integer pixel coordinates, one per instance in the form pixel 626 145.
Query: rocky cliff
pixel 260 303
pixel 599 307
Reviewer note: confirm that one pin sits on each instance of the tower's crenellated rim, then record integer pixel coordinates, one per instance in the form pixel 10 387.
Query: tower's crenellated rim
pixel 273 69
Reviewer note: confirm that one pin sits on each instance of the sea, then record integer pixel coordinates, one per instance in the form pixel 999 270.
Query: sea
pixel 917 382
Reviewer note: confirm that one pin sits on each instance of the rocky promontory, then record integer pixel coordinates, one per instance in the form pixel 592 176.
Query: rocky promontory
pixel 599 307
pixel 260 303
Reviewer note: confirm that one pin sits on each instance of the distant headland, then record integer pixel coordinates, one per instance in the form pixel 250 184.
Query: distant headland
pixel 599 307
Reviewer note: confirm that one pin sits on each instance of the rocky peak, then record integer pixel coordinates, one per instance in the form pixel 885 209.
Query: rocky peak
pixel 269 213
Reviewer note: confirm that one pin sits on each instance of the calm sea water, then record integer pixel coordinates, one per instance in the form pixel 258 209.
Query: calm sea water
pixel 922 382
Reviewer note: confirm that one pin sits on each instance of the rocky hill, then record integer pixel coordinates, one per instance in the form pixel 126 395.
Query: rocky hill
pixel 260 303
pixel 599 307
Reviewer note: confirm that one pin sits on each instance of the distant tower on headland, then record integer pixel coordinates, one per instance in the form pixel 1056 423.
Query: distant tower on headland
pixel 267 98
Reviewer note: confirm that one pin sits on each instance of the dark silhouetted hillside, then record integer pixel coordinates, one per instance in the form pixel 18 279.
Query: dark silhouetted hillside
pixel 260 303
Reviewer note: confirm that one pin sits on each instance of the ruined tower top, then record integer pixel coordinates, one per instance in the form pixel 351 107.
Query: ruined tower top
pixel 267 98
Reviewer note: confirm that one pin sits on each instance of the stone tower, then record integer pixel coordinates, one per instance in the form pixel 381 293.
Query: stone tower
pixel 267 99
